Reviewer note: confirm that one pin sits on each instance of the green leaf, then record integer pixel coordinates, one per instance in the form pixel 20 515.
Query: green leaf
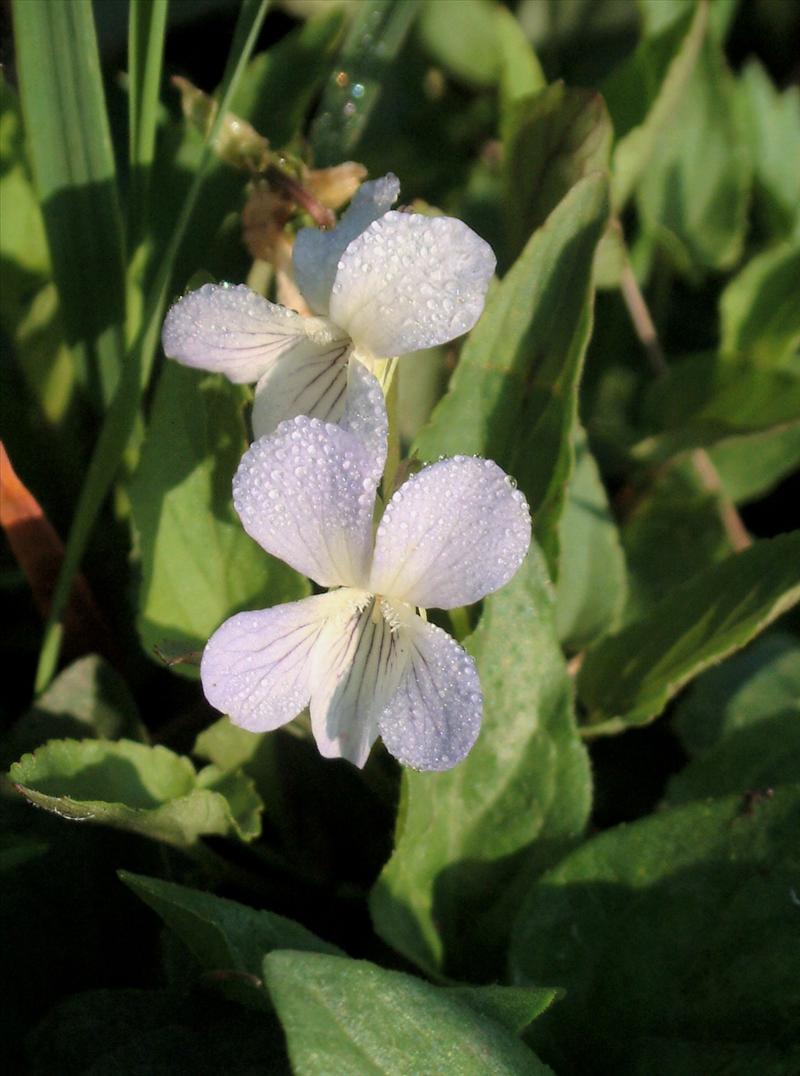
pixel 349 1016
pixel 674 531
pixel 693 197
pixel 146 790
pixel 657 14
pixel 751 466
pixel 222 934
pixel 512 397
pixel 680 927
pixel 521 73
pixel 373 41
pixel 772 123
pixel 551 140
pixel 147 21
pixel 705 398
pixel 68 136
pixel 470 838
pixel 277 87
pixel 89 699
pixel 512 1006
pixel 592 583
pixel 754 684
pixel 759 310
pixel 741 723
pixel 628 678
pixel 198 565
pixel 643 96
pixel 463 39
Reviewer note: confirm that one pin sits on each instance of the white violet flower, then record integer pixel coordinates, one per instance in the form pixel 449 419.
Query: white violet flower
pixel 361 655
pixel 383 282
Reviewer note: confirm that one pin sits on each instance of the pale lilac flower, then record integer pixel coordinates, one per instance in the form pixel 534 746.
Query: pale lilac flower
pixel 361 655
pixel 382 282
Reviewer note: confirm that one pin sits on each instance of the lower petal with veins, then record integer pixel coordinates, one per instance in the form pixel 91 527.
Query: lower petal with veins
pixel 358 665
pixel 434 717
pixel 257 666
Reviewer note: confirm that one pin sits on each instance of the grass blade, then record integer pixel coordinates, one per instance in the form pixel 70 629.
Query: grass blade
pixel 124 408
pixel 374 39
pixel 147 23
pixel 66 124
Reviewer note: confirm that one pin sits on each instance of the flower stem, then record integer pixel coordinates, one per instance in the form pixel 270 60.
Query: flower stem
pixel 390 382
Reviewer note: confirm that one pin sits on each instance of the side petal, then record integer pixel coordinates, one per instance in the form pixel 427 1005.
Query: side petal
pixel 311 380
pixel 257 666
pixel 451 534
pixel 316 254
pixel 434 716
pixel 410 282
pixel 358 665
pixel 307 494
pixel 232 330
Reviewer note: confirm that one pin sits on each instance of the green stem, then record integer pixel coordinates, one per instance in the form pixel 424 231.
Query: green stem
pixel 391 384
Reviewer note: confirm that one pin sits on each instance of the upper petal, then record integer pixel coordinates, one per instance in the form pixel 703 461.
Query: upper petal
pixel 316 253
pixel 257 666
pixel 306 494
pixel 357 667
pixel 451 534
pixel 231 330
pixel 410 282
pixel 434 716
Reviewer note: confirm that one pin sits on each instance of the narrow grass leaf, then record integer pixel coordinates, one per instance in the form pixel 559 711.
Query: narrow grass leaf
pixel 67 130
pixel 121 417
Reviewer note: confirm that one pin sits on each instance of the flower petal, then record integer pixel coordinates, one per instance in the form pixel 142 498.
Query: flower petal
pixel 410 282
pixel 306 494
pixel 434 717
pixel 257 666
pixel 231 330
pixel 451 534
pixel 311 380
pixel 357 667
pixel 316 254
pixel 365 414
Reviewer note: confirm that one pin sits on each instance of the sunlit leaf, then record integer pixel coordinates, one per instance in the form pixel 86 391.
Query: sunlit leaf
pixel 694 195
pixel 644 94
pixel 628 678
pixel 513 395
pixel 67 131
pixel 198 565
pixel 336 1014
pixel 146 790
pixel 759 310
pixel 470 838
